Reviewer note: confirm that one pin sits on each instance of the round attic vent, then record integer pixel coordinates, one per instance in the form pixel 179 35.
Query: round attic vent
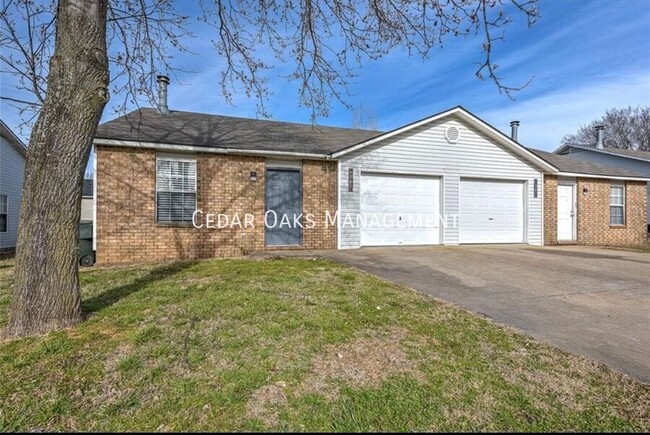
pixel 452 134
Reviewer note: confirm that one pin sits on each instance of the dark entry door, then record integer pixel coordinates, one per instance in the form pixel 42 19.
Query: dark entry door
pixel 283 205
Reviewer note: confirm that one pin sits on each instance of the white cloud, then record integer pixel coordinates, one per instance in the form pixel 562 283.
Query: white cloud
pixel 547 118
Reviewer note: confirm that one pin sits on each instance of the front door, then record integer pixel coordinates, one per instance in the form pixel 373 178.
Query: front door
pixel 565 212
pixel 283 207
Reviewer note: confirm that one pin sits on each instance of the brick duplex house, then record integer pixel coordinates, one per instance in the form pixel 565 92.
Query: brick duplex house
pixel 183 185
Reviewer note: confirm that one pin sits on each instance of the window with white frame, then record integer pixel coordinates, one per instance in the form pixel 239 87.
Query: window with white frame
pixel 617 204
pixel 4 211
pixel 175 188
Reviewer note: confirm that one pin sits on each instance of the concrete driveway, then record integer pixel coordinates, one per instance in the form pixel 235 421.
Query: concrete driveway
pixel 589 301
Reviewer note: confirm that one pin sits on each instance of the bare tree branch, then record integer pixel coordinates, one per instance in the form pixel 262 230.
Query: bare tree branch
pixel 318 44
pixel 626 128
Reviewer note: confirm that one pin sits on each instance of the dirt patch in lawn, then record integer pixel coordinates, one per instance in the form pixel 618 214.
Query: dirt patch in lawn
pixel 109 388
pixel 266 403
pixel 366 361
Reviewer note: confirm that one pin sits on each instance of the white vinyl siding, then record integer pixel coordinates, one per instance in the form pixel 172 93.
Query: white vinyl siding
pixel 617 204
pixel 425 151
pixel 12 169
pixel 175 188
pixel 4 211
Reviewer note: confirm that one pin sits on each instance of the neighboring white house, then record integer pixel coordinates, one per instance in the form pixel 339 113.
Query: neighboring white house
pixel 12 170
pixel 87 201
pixel 632 160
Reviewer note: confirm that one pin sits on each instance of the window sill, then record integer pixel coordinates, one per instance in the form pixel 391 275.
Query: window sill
pixel 622 227
pixel 175 224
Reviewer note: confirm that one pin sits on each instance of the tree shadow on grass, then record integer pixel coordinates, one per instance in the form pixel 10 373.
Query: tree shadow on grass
pixel 115 294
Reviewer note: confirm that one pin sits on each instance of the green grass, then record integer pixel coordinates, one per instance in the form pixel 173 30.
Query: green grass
pixel 293 344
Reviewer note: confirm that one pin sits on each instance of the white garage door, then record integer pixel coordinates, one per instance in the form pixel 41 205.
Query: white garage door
pixel 491 211
pixel 399 210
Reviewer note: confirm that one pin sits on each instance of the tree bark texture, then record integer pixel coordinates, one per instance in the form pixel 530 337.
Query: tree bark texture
pixel 46 294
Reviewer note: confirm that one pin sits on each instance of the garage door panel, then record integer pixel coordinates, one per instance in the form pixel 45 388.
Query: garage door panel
pixel 392 197
pixel 491 211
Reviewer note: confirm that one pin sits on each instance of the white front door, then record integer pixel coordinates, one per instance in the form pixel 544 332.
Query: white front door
pixel 399 210
pixel 565 212
pixel 491 211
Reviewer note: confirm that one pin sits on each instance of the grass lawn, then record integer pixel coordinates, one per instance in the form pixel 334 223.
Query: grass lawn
pixel 293 344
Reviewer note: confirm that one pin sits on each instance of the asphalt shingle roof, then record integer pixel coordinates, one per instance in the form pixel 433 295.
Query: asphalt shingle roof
pixel 568 164
pixel 205 130
pixel 644 155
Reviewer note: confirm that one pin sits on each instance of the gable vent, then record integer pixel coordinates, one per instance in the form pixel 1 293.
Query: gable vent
pixel 452 134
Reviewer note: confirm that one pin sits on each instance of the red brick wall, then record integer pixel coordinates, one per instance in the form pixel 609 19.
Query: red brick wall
pixel 593 226
pixel 127 230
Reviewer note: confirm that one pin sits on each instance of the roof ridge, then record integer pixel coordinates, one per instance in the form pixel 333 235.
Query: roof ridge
pixel 248 119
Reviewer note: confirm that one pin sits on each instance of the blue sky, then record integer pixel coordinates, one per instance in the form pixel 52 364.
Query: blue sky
pixel 585 57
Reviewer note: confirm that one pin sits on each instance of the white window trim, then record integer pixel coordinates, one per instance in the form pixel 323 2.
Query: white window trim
pixel 622 206
pixel 6 214
pixel 177 157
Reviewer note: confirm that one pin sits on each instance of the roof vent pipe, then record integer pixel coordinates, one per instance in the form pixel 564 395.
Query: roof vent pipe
pixel 163 81
pixel 514 130
pixel 600 130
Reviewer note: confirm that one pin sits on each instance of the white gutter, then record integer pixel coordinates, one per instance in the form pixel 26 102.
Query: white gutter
pixel 608 177
pixel 212 150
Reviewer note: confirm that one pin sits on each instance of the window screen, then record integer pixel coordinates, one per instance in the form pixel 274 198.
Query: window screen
pixel 617 204
pixel 175 189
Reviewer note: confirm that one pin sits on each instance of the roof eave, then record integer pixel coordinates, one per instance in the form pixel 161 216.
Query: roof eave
pixel 13 139
pixel 608 177
pixel 203 149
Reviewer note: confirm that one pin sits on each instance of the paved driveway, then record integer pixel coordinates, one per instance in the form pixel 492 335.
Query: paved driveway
pixel 589 301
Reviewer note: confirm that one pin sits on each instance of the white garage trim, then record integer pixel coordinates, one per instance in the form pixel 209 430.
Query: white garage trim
pixel 492 210
pixel 399 209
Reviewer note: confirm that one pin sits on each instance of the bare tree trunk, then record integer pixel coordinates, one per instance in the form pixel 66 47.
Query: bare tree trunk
pixel 46 283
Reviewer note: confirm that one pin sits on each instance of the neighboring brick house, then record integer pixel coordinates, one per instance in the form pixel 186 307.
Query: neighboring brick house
pixel 163 177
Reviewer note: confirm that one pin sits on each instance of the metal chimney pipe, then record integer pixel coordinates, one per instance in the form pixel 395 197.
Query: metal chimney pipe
pixel 600 131
pixel 514 130
pixel 163 81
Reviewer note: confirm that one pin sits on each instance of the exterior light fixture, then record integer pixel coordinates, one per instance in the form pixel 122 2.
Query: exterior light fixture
pixel 253 176
pixel 585 191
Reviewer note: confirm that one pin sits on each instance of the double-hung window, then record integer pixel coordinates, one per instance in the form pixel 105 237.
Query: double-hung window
pixel 175 188
pixel 617 204
pixel 4 212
